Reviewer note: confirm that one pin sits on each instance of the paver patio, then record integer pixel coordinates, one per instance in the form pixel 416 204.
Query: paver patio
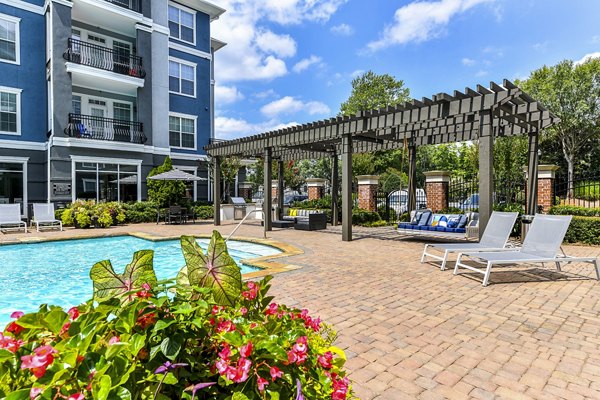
pixel 411 331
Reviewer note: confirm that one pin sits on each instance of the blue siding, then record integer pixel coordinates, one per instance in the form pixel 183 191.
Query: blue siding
pixel 30 75
pixel 200 105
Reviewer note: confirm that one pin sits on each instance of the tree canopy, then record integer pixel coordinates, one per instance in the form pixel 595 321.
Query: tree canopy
pixel 165 193
pixel 370 91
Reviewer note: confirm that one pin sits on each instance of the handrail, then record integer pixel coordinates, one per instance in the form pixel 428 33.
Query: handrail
pixel 242 221
pixel 100 128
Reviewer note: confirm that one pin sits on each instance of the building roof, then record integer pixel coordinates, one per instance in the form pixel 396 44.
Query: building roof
pixel 217 44
pixel 204 6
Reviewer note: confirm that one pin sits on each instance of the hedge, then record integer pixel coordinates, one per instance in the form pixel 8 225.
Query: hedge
pixel 584 230
pixel 575 210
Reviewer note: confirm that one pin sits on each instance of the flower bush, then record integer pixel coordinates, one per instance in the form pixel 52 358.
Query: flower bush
pixel 206 336
pixel 82 213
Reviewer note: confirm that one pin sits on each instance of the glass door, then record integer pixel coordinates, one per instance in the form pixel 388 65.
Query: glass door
pixel 98 121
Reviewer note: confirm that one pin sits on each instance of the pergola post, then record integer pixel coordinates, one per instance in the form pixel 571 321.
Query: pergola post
pixel 217 189
pixel 532 173
pixel 347 188
pixel 486 170
pixel 280 189
pixel 412 178
pixel 267 195
pixel 334 189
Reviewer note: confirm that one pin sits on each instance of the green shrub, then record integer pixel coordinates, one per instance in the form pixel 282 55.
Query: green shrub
pixel 204 212
pixel 143 339
pixel 451 210
pixel 140 212
pixel 323 203
pixel 376 224
pixel 381 212
pixel 587 190
pixel 364 217
pixel 404 217
pixel 575 210
pixel 165 193
pixel 584 230
pixel 66 215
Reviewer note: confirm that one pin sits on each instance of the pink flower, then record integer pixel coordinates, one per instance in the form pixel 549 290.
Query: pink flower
pixel 340 387
pixel 73 313
pixel 275 373
pixel 40 361
pixel 261 383
pixel 76 396
pixel 243 311
pixel 226 352
pixel 145 292
pixel 325 360
pixel 10 343
pixel 299 351
pixel 272 310
pixel 246 350
pixel 113 340
pixel 17 314
pixel 225 326
pixel 252 291
pixel 35 392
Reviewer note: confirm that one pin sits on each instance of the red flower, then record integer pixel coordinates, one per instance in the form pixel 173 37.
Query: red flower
pixel 261 383
pixel 65 328
pixel 73 313
pixel 10 343
pixel 225 326
pixel 146 320
pixel 275 373
pixel 252 291
pixel 246 350
pixel 76 396
pixel 272 310
pixel 145 292
pixel 14 328
pixel 113 340
pixel 325 360
pixel 340 387
pixel 299 351
pixel 38 362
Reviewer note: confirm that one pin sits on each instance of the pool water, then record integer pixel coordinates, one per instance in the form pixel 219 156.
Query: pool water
pixel 58 272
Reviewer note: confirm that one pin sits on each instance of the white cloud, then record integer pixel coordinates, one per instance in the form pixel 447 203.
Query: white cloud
pixel 481 73
pixel 290 105
pixel 420 21
pixel 265 94
pixel 254 52
pixel 468 62
pixel 227 94
pixel 306 63
pixel 231 128
pixel 342 30
pixel 280 45
pixel 356 73
pixel 494 51
pixel 587 57
pixel 541 47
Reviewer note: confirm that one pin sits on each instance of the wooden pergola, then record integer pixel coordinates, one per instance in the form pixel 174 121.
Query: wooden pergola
pixel 480 114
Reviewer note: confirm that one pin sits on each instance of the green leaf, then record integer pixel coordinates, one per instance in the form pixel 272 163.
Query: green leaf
pixel 170 347
pixel 6 355
pixel 274 395
pixel 22 394
pixel 102 388
pixel 109 284
pixel 137 343
pixel 31 321
pixel 217 270
pixel 120 394
pixel 239 396
pixel 115 349
pixel 55 320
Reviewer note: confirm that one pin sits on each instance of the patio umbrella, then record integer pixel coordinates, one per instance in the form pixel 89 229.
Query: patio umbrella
pixel 176 175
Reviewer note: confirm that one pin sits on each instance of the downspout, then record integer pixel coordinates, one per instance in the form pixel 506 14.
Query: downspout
pixel 50 97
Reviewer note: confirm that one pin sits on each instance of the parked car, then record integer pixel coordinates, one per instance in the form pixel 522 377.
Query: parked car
pixel 399 200
pixel 471 203
pixel 288 200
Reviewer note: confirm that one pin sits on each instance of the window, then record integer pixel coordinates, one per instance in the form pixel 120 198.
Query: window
pixel 182 78
pixel 182 24
pixel 13 182
pixel 122 111
pixel 10 117
pixel 76 104
pixel 182 132
pixel 106 182
pixel 9 39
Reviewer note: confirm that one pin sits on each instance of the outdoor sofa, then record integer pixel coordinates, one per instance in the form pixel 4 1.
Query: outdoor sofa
pixel 307 220
pixel 426 223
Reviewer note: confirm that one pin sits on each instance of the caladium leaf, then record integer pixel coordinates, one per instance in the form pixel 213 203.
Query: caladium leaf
pixel 109 284
pixel 215 270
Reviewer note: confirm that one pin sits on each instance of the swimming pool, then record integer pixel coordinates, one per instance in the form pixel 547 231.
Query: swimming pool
pixel 58 272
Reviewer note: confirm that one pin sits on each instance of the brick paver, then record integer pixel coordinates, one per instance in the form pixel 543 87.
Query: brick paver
pixel 412 331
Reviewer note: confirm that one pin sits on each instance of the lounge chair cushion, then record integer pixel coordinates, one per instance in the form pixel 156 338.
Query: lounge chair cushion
pixel 453 221
pixel 463 221
pixel 425 218
pixel 416 218
pixel 443 221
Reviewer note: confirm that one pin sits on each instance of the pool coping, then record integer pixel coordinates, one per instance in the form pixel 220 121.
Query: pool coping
pixel 267 265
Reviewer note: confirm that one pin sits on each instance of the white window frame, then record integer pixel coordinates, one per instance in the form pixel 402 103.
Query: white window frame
pixel 18 92
pixel 86 107
pixel 186 116
pixel 189 11
pixel 101 160
pixel 189 64
pixel 24 161
pixel 17 22
pixel 193 171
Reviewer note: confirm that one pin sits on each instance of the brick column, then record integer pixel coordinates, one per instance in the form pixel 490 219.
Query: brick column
pixel 367 192
pixel 316 188
pixel 245 190
pixel 436 189
pixel 545 185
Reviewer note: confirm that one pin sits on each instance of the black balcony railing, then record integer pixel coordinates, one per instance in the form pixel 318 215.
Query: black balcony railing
pixel 104 58
pixel 134 5
pixel 99 128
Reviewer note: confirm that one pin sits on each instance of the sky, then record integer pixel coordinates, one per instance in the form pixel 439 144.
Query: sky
pixel 290 62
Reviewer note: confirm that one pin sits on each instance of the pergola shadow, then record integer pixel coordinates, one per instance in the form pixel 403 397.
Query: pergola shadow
pixel 481 114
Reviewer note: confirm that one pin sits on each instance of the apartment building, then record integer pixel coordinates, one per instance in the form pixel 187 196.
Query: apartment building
pixel 95 93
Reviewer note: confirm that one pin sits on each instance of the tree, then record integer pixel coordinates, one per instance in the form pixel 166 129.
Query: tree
pixel 164 193
pixel 371 91
pixel 230 166
pixel 572 92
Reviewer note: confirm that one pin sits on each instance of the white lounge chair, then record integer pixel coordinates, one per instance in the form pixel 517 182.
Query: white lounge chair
pixel 494 238
pixel 43 216
pixel 10 216
pixel 541 245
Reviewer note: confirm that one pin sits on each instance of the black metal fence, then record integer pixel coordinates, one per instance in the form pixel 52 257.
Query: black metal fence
pixel 100 57
pixel 463 194
pixel 90 127
pixel 583 191
pixel 383 206
pixel 134 5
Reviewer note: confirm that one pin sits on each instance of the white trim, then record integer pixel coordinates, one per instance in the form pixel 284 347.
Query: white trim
pixel 110 105
pixel 143 27
pixel 102 160
pixel 195 173
pixel 63 2
pixel 126 12
pixel 161 29
pixel 100 73
pixel 22 145
pixel 17 22
pixel 23 5
pixel 106 160
pixel 187 156
pixel 23 161
pixel 190 51
pixel 17 92
pixel 213 11
pixel 189 64
pixel 189 11
pixel 185 116
pixel 107 145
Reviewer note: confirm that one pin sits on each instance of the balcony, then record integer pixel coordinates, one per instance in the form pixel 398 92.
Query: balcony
pixel 99 128
pixel 133 5
pixel 96 56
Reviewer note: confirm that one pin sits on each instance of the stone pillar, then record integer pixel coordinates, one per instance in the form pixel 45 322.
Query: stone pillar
pixel 545 186
pixel 367 192
pixel 436 189
pixel 245 190
pixel 316 188
pixel 274 190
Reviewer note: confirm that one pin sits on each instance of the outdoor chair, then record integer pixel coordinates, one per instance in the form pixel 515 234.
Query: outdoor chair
pixel 10 216
pixel 494 238
pixel 541 245
pixel 43 216
pixel 175 213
